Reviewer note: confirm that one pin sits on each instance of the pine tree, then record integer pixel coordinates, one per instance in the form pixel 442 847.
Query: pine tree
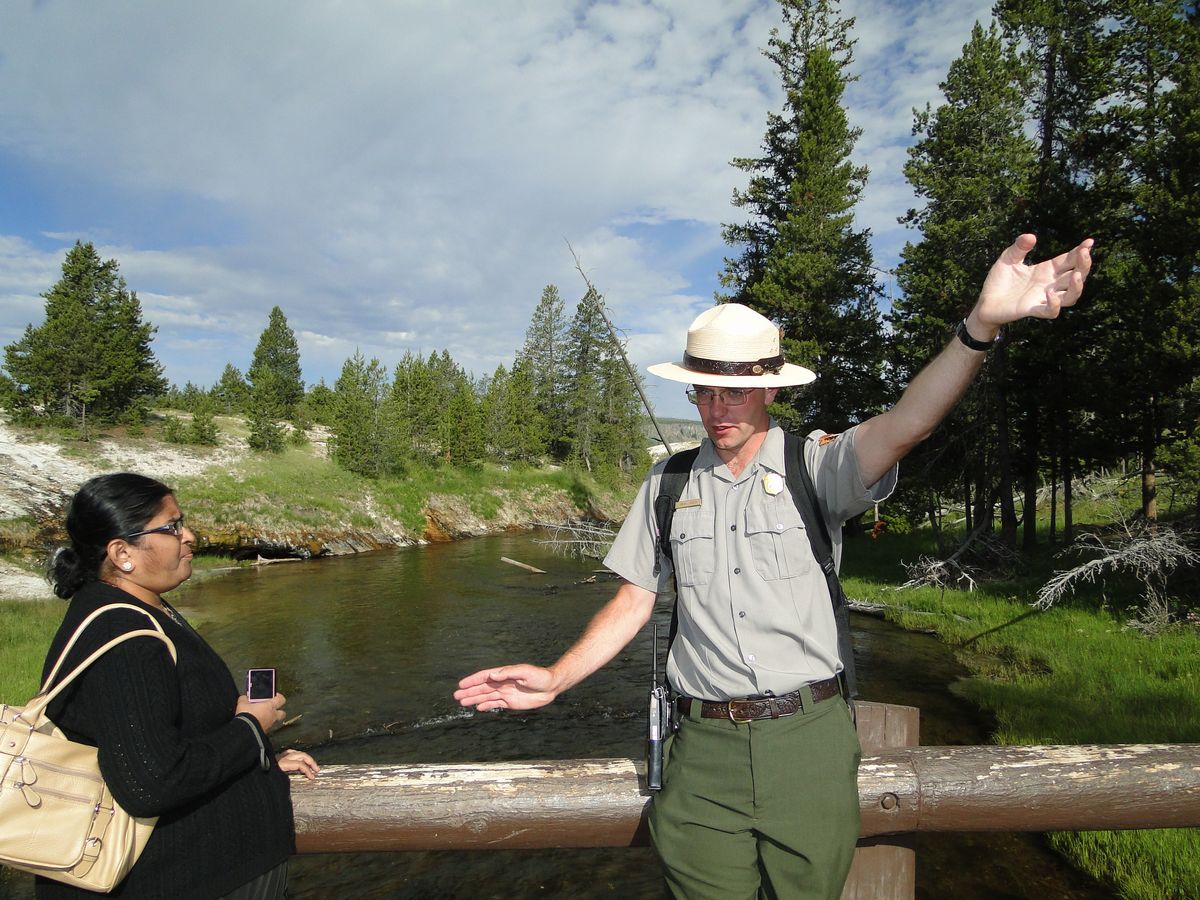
pixel 802 263
pixel 1147 143
pixel 91 358
pixel 460 427
pixel 318 404
pixel 514 428
pixel 620 440
pixel 547 361
pixel 586 339
pixel 1180 454
pixel 231 392
pixel 276 365
pixel 1069 61
pixel 410 410
pixel 601 402
pixel 262 416
pixel 492 411
pixel 358 396
pixel 524 431
pixel 203 427
pixel 974 168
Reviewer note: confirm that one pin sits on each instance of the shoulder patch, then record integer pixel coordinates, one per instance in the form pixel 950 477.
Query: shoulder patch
pixel 827 439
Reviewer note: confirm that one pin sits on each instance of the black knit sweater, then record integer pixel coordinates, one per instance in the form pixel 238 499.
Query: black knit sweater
pixel 170 746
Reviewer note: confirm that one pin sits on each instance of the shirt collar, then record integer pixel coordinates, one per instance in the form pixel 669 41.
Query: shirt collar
pixel 769 457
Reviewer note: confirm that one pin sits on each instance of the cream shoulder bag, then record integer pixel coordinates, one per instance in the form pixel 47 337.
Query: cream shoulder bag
pixel 58 818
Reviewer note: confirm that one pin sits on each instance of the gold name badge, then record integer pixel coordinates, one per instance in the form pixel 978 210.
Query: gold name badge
pixel 688 504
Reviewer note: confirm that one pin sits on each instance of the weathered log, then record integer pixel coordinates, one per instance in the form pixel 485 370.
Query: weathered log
pixel 520 565
pixel 602 802
pixel 1047 788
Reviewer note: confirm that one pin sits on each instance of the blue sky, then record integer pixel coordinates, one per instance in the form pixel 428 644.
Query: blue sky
pixel 406 175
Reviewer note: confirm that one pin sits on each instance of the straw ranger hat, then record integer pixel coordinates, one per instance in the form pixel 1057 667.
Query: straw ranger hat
pixel 731 345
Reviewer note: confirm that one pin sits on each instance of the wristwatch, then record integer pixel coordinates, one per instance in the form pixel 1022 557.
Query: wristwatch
pixel 965 336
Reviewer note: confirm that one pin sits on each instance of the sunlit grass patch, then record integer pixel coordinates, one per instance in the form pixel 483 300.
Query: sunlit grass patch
pixel 26 628
pixel 484 489
pixel 290 490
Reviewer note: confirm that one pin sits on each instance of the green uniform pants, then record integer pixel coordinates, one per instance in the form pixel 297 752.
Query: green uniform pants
pixel 762 809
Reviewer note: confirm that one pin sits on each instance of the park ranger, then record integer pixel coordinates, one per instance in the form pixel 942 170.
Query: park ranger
pixel 759 790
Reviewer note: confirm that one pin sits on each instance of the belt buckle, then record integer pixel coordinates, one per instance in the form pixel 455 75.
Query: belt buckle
pixel 738 720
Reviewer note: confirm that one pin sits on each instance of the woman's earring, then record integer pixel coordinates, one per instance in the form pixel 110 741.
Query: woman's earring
pixel 128 566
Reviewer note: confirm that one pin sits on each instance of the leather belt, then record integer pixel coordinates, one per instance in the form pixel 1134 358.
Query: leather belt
pixel 750 708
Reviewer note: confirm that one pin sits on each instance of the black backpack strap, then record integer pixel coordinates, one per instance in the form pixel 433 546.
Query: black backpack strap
pixel 671 483
pixel 670 488
pixel 804 494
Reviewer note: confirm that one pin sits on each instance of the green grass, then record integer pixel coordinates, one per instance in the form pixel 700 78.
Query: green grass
pixel 19 531
pixel 25 632
pixel 294 489
pixel 298 490
pixel 485 489
pixel 1074 674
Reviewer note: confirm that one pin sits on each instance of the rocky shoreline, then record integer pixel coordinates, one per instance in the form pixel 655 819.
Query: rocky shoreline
pixel 37 478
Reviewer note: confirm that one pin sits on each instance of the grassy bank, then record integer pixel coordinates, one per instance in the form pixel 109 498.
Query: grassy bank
pixel 301 490
pixel 298 490
pixel 1071 675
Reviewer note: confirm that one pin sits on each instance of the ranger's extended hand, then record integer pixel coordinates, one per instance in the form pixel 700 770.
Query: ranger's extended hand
pixel 1014 290
pixel 509 687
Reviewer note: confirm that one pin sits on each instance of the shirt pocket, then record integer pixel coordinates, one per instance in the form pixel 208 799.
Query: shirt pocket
pixel 778 542
pixel 692 546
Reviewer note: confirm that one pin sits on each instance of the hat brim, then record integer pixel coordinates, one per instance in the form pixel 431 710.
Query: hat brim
pixel 789 375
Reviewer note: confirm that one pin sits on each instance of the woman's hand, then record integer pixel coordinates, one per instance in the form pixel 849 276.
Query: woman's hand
pixel 268 712
pixel 298 761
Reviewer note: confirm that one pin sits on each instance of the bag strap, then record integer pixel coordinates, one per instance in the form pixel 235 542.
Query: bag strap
pixel 670 488
pixel 804 494
pixel 88 621
pixel 43 699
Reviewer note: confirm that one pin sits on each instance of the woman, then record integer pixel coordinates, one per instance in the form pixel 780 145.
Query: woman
pixel 176 740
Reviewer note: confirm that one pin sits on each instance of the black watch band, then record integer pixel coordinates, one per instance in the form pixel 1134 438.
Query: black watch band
pixel 965 336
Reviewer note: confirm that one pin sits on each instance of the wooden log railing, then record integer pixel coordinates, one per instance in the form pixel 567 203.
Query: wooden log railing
pixel 601 802
pixel 902 788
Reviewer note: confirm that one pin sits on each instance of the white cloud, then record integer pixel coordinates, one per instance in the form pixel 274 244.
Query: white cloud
pixel 405 176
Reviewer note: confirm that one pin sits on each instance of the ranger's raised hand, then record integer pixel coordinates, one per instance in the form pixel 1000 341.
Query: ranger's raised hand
pixel 1014 290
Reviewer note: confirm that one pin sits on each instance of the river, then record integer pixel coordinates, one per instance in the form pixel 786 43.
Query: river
pixel 368 650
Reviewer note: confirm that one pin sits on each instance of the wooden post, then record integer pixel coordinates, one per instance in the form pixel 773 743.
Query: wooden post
pixel 884 868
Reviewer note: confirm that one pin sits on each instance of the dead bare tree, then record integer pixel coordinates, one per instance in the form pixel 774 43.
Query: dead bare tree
pixel 980 552
pixel 579 539
pixel 1148 551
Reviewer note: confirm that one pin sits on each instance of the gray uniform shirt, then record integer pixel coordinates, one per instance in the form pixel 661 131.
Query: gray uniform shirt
pixel 755 615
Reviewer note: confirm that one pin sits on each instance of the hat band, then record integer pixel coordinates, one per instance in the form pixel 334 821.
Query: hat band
pixel 770 364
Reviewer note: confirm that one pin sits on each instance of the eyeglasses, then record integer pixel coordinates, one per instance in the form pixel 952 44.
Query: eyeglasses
pixel 174 527
pixel 729 396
